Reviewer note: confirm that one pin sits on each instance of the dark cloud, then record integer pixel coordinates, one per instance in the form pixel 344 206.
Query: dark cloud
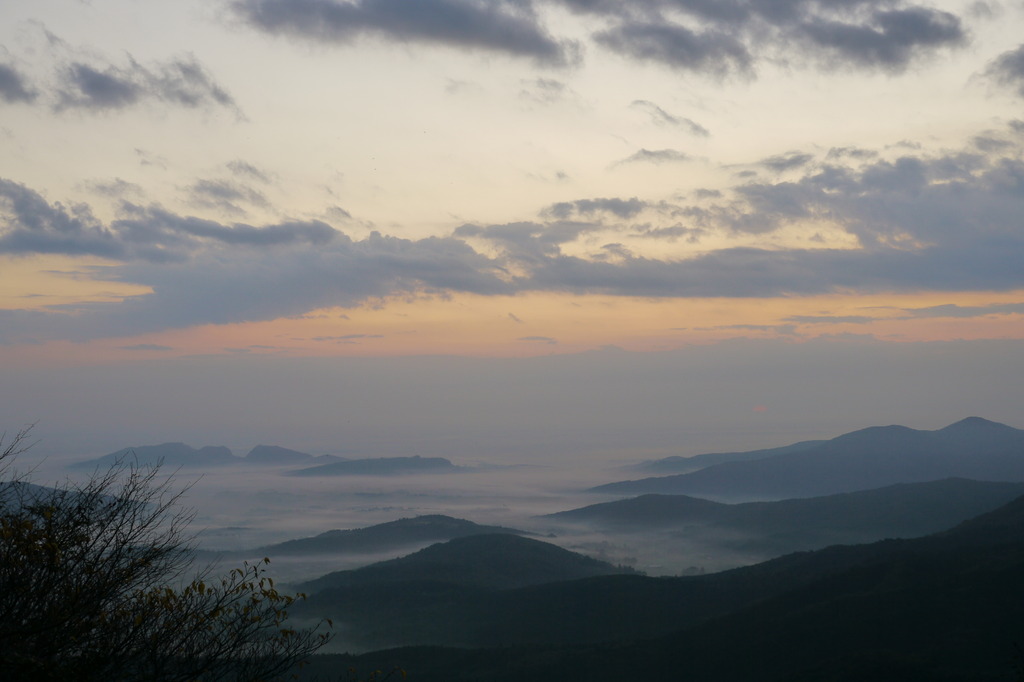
pixel 153 227
pixel 538 339
pixel 89 88
pixel 913 200
pixel 784 329
pixel 785 162
pixel 710 52
pixel 830 319
pixel 204 272
pixel 723 37
pixel 1008 70
pixel 958 311
pixel 662 117
pixel 850 153
pixel 672 233
pixel 505 26
pixel 889 40
pixel 716 38
pixel 990 143
pixel 656 156
pixel 31 224
pixel 14 87
pixel 529 241
pixel 348 338
pixel 183 82
pixel 620 208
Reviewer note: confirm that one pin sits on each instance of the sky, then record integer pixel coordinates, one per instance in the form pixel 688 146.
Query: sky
pixel 508 228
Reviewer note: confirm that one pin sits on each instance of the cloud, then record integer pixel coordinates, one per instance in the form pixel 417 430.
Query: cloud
pixel 947 221
pixel 888 40
pixel 672 233
pixel 952 310
pixel 850 153
pixel 620 208
pixel 30 224
pixel 205 272
pixel 714 38
pixel 146 347
pixel 710 52
pixel 662 117
pixel 504 26
pixel 14 87
pixel 655 156
pixel 115 188
pixel 244 169
pixel 347 338
pixel 224 195
pixel 1008 70
pixel 147 158
pixel 722 38
pixel 538 339
pixel 545 90
pixel 182 81
pixel 830 319
pixel 785 162
pixel 529 241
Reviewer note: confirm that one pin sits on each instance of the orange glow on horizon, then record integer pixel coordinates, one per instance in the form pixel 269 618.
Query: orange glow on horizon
pixel 545 324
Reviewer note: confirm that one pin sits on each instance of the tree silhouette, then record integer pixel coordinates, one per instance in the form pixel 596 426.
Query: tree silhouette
pixel 97 583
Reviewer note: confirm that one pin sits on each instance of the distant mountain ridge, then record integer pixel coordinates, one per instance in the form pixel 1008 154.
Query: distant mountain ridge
pixel 167 454
pixel 177 455
pixel 902 510
pixel 275 454
pixel 874 457
pixel 677 464
pixel 383 466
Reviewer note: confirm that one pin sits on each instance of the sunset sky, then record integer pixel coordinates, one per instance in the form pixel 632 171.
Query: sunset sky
pixel 259 193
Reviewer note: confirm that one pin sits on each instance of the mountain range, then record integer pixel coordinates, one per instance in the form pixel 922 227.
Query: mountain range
pixel 180 455
pixel 973 448
pixel 903 510
pixel 383 466
pixel 677 464
pixel 947 607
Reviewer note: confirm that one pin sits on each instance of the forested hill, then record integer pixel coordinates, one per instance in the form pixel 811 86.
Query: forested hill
pixel 948 607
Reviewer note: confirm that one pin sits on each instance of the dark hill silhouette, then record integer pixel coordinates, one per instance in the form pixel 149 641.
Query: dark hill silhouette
pixel 875 457
pixel 388 536
pixel 434 595
pixel 275 454
pixel 903 510
pixel 493 561
pixel 172 455
pixel 382 466
pixel 944 607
